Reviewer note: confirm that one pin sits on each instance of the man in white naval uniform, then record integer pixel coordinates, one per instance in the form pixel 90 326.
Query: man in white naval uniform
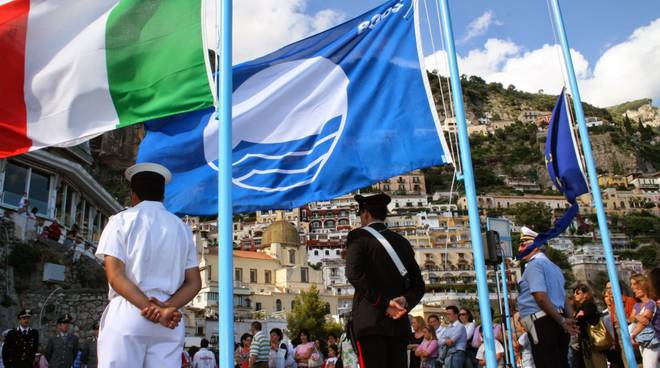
pixel 151 265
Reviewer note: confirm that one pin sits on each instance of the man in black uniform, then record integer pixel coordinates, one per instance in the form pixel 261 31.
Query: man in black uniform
pixel 61 349
pixel 382 294
pixel 21 344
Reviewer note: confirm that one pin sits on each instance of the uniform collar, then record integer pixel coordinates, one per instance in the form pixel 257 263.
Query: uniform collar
pixel 539 255
pixel 149 204
pixel 21 329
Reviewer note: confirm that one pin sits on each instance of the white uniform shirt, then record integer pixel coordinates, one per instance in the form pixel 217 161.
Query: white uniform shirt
pixel 155 246
pixel 204 359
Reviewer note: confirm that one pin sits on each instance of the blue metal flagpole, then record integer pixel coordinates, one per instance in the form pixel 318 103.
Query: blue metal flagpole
pixel 593 183
pixel 225 244
pixel 507 313
pixel 470 189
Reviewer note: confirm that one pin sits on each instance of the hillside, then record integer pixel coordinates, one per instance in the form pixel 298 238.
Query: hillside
pixel 513 151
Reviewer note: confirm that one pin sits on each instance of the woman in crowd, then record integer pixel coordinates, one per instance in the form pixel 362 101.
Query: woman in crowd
pixel 587 314
pixel 278 349
pixel 305 350
pixel 333 355
pixel 654 286
pixel 467 319
pixel 242 353
pixel 416 338
pixel 427 351
pixel 613 354
pixel 628 304
pixel 522 343
pixel 641 328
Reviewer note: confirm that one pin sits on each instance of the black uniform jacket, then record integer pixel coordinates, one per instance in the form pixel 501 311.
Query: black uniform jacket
pixel 19 350
pixel 377 280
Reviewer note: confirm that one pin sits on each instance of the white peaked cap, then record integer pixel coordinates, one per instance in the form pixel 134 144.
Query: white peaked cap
pixel 528 233
pixel 148 167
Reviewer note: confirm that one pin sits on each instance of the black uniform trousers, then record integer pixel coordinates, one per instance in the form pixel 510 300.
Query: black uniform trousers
pixel 552 349
pixel 382 352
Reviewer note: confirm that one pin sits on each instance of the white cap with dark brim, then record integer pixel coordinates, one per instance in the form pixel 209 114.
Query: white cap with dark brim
pixel 148 167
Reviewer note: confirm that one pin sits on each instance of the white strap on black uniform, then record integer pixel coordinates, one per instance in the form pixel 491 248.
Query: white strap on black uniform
pixel 388 247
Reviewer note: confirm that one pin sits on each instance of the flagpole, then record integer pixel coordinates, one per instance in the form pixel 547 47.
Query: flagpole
pixel 593 183
pixel 507 312
pixel 470 189
pixel 225 240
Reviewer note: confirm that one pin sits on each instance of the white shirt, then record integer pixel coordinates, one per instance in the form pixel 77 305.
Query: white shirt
pixel 498 349
pixel 204 359
pixel 155 246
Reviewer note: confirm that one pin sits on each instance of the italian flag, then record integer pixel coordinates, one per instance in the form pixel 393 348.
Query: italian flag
pixel 72 69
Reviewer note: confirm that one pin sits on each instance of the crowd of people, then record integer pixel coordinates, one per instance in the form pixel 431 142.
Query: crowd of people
pixel 262 349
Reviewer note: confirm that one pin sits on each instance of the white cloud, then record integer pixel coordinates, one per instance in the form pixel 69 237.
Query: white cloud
pixel 262 26
pixel 628 70
pixel 624 72
pixel 479 26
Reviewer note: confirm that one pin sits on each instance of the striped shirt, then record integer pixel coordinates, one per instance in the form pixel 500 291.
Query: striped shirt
pixel 260 347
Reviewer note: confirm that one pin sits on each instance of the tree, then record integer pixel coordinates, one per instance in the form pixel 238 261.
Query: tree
pixel 308 313
pixel 641 224
pixel 535 215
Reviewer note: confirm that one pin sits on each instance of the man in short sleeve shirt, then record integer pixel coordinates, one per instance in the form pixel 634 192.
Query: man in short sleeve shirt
pixel 151 265
pixel 543 307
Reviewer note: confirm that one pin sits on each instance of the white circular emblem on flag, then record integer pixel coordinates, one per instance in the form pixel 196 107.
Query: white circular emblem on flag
pixel 287 120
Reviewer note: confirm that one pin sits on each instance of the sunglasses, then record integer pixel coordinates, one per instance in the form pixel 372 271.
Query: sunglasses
pixel 462 314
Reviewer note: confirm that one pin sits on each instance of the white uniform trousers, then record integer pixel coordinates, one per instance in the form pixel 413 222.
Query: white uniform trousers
pixel 126 339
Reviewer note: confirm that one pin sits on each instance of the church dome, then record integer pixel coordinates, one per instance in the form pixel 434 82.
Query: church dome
pixel 282 232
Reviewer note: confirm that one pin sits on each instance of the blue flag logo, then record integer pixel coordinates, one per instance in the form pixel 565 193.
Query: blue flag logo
pixel 314 120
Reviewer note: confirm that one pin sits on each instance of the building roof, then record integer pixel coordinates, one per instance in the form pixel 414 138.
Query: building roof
pixel 252 255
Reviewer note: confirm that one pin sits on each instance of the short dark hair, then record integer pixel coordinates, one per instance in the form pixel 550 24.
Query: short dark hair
pixel 278 332
pixel 256 325
pixel 306 333
pixel 204 343
pixel 452 308
pixel 245 336
pixel 148 186
pixel 654 278
pixel 334 348
pixel 378 212
pixel 332 334
pixel 437 318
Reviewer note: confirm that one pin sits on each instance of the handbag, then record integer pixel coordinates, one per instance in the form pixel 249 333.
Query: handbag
pixel 599 337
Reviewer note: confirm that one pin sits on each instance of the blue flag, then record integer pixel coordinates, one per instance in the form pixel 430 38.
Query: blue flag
pixel 319 118
pixel 563 163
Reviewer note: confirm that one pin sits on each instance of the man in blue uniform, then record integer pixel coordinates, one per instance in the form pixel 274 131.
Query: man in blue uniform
pixel 21 344
pixel 543 306
pixel 381 265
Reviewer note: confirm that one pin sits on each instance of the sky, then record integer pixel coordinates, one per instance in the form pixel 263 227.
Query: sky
pixel 615 45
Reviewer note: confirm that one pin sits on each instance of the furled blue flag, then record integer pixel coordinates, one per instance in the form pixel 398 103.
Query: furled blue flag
pixel 563 163
pixel 319 118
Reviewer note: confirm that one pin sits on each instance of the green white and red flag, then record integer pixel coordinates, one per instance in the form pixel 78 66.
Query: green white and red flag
pixel 71 69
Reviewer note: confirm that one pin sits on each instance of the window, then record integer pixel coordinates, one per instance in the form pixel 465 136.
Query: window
pixel 292 256
pixel 238 274
pixel 209 273
pixel 386 187
pixel 327 252
pixel 278 305
pixel 415 179
pixel 15 183
pixel 257 306
pixel 253 275
pixel 212 296
pixel 39 190
pixel 304 274
pixel 267 276
pixel 316 252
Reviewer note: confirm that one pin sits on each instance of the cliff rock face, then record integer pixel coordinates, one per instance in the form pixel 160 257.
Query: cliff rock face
pixel 113 152
pixel 646 113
